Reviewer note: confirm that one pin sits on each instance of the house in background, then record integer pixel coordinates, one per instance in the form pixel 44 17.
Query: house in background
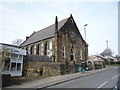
pixel 12 58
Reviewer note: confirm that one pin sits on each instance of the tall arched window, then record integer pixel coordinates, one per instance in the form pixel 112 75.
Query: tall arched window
pixel 32 50
pixel 63 51
pixel 81 55
pixel 49 51
pixel 26 50
pixel 45 48
pixel 72 55
pixel 37 49
pixel 42 49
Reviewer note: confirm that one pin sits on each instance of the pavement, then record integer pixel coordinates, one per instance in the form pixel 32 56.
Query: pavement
pixel 47 82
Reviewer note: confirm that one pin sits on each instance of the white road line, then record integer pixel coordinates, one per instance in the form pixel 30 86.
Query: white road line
pixel 114 76
pixel 102 84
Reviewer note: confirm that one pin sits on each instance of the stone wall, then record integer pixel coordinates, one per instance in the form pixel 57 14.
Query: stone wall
pixel 34 69
pixel 70 38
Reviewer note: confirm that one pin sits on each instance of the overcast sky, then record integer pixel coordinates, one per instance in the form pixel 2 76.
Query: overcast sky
pixel 21 19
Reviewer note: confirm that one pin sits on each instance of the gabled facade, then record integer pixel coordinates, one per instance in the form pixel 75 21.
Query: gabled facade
pixel 61 41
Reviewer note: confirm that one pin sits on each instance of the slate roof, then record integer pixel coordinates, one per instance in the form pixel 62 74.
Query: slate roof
pixel 44 33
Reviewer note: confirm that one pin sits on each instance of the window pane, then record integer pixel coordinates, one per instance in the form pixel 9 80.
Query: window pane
pixel 13 66
pixel 14 56
pixel 19 66
pixel 20 56
pixel 50 45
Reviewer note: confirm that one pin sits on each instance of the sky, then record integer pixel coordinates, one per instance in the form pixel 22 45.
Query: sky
pixel 21 19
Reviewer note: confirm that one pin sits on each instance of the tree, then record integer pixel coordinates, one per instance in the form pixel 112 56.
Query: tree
pixel 107 52
pixel 17 42
pixel 5 57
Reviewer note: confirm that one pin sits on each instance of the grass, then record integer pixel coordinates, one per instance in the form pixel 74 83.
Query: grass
pixel 24 79
pixel 30 78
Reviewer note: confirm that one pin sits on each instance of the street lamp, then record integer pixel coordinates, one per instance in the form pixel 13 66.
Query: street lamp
pixel 85 39
pixel 85 30
pixel 107 44
pixel 107 52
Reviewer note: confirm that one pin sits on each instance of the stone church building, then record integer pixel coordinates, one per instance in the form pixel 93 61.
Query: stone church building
pixel 61 42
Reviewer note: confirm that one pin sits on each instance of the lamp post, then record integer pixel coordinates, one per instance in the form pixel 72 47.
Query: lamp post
pixel 85 30
pixel 107 52
pixel 107 44
pixel 85 40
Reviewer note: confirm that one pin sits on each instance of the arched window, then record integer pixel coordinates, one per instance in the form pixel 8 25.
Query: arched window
pixel 63 51
pixel 37 49
pixel 49 52
pixel 81 55
pixel 42 49
pixel 32 50
pixel 45 48
pixel 26 50
pixel 72 55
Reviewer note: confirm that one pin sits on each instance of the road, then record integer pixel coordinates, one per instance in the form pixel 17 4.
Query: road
pixel 105 79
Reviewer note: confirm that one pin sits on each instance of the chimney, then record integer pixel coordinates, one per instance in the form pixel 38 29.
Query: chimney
pixel 71 15
pixel 56 24
pixel 27 37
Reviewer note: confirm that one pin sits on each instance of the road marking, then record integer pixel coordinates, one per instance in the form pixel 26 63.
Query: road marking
pixel 115 76
pixel 102 84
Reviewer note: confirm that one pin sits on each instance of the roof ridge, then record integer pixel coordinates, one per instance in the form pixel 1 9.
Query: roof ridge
pixel 51 25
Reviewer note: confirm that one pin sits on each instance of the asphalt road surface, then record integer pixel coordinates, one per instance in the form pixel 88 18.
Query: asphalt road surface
pixel 105 79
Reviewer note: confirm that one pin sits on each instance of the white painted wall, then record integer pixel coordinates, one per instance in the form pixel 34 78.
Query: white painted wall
pixel 16 60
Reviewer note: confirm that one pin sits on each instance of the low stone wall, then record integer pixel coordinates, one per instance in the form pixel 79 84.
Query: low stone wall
pixel 34 69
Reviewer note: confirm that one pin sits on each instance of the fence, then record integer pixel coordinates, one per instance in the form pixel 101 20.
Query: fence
pixel 37 58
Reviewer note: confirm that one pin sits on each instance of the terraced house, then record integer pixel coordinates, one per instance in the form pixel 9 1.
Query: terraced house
pixel 61 42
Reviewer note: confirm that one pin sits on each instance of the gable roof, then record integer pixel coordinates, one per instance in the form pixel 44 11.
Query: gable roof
pixel 9 45
pixel 45 33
